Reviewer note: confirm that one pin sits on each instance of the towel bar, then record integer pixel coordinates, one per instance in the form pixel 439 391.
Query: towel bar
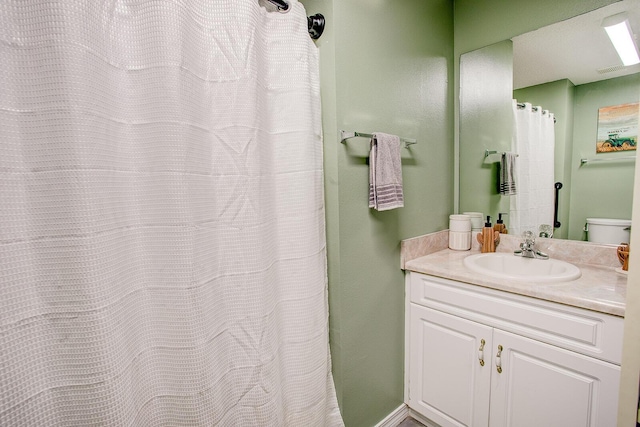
pixel 344 135
pixel 487 153
pixel 607 159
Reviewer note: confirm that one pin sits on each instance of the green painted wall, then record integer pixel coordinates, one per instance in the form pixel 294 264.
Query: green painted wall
pixel 610 183
pixel 557 97
pixel 385 66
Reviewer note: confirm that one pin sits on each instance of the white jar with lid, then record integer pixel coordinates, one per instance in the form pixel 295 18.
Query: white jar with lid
pixel 459 232
pixel 477 219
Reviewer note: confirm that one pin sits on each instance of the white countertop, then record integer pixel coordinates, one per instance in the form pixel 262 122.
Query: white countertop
pixel 600 288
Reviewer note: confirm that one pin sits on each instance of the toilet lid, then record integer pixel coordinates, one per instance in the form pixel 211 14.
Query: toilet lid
pixel 609 221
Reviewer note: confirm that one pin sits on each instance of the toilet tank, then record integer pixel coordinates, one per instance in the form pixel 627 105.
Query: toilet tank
pixel 608 230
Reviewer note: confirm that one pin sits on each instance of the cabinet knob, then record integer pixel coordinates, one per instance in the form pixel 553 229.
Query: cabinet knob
pixel 499 360
pixel 481 352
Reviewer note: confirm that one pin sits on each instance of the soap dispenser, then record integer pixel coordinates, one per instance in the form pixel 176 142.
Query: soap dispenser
pixel 489 238
pixel 500 227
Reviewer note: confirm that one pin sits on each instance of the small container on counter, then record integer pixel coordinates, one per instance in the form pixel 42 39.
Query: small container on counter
pixel 500 227
pixel 459 232
pixel 488 238
pixel 477 219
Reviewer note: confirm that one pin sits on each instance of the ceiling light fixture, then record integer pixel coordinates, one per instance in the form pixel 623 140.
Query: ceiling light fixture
pixel 619 31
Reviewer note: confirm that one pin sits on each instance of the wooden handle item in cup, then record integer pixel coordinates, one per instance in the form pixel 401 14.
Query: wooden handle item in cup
pixel 623 256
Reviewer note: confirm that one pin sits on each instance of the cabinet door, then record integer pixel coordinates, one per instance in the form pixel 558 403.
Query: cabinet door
pixel 543 385
pixel 447 383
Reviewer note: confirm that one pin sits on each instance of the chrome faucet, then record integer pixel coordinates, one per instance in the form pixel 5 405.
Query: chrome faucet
pixel 527 247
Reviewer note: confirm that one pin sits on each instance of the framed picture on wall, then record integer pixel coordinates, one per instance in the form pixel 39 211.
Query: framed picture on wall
pixel 617 128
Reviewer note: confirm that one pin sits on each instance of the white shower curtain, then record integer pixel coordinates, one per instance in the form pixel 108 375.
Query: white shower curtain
pixel 534 142
pixel 162 241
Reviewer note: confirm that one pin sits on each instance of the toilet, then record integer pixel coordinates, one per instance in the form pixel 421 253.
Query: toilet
pixel 607 230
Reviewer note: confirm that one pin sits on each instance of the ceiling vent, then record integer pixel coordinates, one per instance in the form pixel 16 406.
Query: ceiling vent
pixel 610 69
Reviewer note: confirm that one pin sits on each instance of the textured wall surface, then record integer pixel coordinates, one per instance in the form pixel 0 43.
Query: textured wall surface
pixel 385 66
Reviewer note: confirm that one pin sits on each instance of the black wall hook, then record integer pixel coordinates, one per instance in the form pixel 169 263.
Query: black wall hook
pixel 315 24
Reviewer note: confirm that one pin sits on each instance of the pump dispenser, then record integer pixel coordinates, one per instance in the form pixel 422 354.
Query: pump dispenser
pixel 489 238
pixel 500 227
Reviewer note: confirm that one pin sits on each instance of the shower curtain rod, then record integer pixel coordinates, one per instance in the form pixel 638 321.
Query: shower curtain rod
pixel 522 105
pixel 533 108
pixel 282 5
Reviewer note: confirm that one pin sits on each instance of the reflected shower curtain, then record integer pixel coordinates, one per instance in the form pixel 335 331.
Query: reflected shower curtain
pixel 162 241
pixel 534 142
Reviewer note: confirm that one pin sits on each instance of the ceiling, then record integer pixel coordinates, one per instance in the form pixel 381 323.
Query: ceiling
pixel 577 49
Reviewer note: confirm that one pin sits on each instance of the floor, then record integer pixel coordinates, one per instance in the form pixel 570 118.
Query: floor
pixel 410 422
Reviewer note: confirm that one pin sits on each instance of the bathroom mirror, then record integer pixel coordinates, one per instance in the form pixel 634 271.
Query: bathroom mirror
pixel 571 69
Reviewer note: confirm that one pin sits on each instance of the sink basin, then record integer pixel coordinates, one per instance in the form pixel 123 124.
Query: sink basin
pixel 509 266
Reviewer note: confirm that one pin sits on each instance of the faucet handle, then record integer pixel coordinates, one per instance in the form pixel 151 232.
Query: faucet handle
pixel 545 230
pixel 529 237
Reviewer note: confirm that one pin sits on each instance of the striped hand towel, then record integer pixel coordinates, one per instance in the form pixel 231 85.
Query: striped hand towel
pixel 507 182
pixel 385 173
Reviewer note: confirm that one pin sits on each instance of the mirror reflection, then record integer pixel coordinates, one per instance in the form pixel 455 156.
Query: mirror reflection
pixel 572 70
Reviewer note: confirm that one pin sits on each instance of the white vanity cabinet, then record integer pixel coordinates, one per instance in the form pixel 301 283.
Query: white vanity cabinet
pixel 480 357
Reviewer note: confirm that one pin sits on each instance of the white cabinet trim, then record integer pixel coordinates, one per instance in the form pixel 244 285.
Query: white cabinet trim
pixel 587 332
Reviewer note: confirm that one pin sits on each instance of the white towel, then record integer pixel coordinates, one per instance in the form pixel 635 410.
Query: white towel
pixel 507 182
pixel 385 173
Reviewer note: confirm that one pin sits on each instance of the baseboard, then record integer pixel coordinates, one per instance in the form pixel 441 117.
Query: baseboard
pixel 400 413
pixel 395 417
pixel 416 416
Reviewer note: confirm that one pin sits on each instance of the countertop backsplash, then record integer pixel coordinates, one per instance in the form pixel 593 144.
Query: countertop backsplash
pixel 426 244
